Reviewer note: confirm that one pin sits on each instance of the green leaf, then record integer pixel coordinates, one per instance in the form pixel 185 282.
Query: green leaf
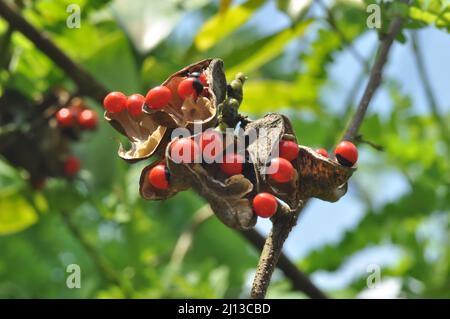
pixel 270 48
pixel 221 25
pixel 16 214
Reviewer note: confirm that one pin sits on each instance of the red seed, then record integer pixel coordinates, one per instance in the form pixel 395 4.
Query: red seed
pixel 211 144
pixel 115 102
pixel 159 177
pixel 72 166
pixel 158 97
pixel 185 150
pixel 289 150
pixel 64 117
pixel 87 119
pixel 281 170
pixel 346 153
pixel 134 104
pixel 265 205
pixel 232 164
pixel 322 152
pixel 190 87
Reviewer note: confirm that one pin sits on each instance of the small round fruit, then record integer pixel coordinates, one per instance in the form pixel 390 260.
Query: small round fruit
pixel 87 119
pixel 159 177
pixel 190 87
pixel 265 205
pixel 289 150
pixel 346 153
pixel 64 117
pixel 72 166
pixel 232 164
pixel 185 150
pixel 281 170
pixel 201 77
pixel 158 97
pixel 115 102
pixel 322 152
pixel 134 104
pixel 211 144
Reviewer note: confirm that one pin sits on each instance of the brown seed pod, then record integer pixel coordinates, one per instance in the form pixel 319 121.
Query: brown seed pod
pixel 227 196
pixel 149 192
pixel 315 176
pixel 143 132
pixel 201 110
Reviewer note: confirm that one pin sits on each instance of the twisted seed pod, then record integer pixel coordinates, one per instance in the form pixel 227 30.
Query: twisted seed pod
pixel 144 134
pixel 201 110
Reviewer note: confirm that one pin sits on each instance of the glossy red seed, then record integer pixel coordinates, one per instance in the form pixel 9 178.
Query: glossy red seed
pixel 185 150
pixel 72 166
pixel 265 205
pixel 64 117
pixel 190 87
pixel 289 150
pixel 115 102
pixel 134 104
pixel 232 164
pixel 211 144
pixel 202 79
pixel 158 97
pixel 158 177
pixel 281 170
pixel 87 119
pixel 322 152
pixel 346 153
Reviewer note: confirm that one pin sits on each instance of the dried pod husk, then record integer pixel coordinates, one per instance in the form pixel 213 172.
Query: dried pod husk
pixel 264 136
pixel 322 177
pixel 201 110
pixel 149 192
pixel 316 176
pixel 227 196
pixel 145 135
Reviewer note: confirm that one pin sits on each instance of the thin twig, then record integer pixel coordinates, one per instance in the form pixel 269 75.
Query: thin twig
pixel 432 104
pixel 87 84
pixel 283 223
pixel 375 77
pixel 298 279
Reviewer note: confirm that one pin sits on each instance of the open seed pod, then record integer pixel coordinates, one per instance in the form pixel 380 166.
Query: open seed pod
pixel 264 135
pixel 149 192
pixel 316 176
pixel 143 132
pixel 201 110
pixel 228 197
pixel 322 177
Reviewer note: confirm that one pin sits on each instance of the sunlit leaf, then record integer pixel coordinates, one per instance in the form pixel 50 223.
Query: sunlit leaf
pixel 270 48
pixel 221 25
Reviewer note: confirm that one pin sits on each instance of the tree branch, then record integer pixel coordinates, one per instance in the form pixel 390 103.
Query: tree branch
pixel 86 83
pixel 298 279
pixel 375 77
pixel 284 222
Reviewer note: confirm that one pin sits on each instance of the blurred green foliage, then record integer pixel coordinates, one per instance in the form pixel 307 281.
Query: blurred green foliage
pixel 124 244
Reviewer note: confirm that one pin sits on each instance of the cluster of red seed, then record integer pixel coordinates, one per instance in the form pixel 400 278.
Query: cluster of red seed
pixel 281 170
pixel 194 85
pixel 79 117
